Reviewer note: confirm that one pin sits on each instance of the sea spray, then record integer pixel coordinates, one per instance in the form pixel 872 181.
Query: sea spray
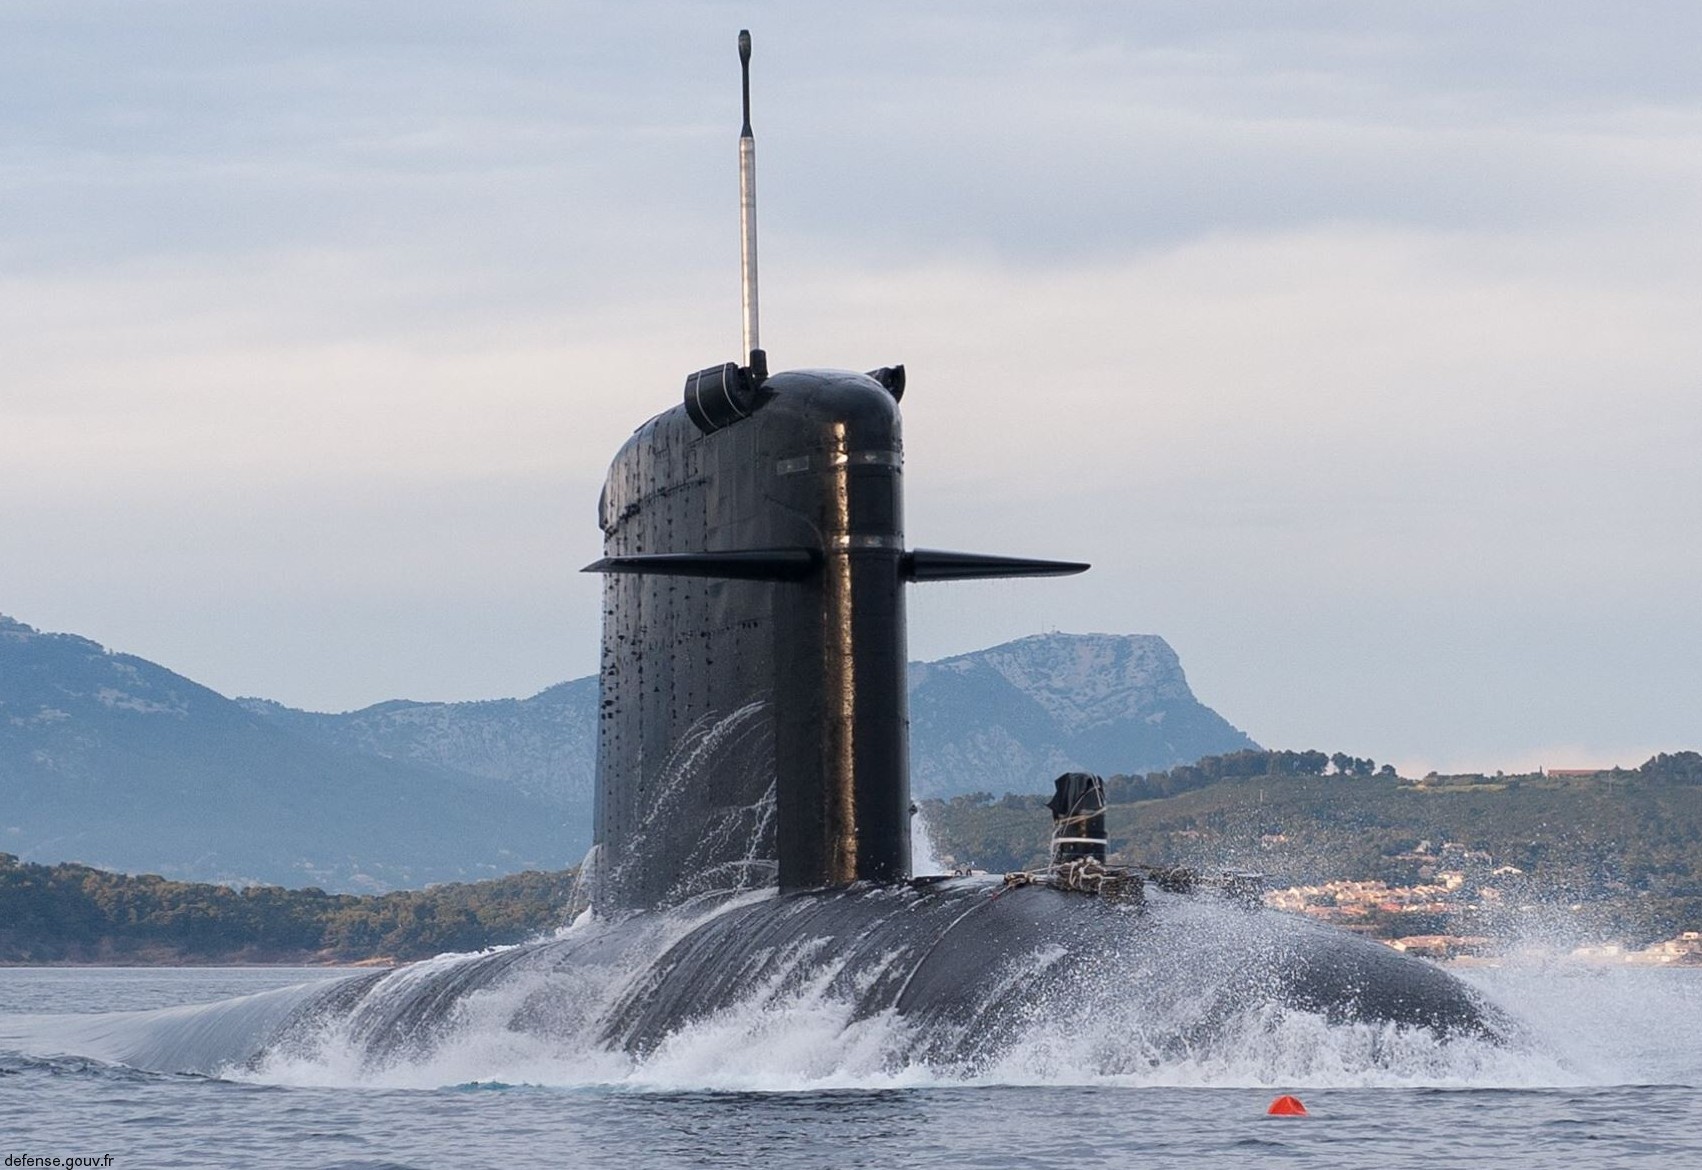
pixel 924 852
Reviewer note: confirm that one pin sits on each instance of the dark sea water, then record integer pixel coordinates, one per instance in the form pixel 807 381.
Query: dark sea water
pixel 1610 1075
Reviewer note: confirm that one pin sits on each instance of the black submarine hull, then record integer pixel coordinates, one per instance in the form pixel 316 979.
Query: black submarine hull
pixel 968 970
pixel 965 972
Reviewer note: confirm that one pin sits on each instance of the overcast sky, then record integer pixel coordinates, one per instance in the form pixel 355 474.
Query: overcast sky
pixel 1357 344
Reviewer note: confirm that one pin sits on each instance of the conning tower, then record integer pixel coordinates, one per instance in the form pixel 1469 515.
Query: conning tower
pixel 753 723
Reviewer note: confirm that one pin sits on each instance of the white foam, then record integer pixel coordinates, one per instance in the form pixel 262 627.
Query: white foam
pixel 924 852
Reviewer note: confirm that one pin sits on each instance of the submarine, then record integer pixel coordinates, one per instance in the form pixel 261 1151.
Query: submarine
pixel 752 844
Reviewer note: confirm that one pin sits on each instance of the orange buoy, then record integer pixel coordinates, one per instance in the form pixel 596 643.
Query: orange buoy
pixel 1286 1106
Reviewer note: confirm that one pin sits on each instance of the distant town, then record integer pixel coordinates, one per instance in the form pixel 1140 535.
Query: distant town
pixel 1381 910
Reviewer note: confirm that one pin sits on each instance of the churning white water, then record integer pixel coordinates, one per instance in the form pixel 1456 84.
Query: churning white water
pixel 924 854
pixel 1581 1027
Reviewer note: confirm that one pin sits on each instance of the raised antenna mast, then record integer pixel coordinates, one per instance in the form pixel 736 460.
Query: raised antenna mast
pixel 747 220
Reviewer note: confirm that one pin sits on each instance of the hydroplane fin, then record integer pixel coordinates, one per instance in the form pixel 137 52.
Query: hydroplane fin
pixel 932 564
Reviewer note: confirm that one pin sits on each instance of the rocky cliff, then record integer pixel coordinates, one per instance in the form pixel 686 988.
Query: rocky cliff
pixel 1010 718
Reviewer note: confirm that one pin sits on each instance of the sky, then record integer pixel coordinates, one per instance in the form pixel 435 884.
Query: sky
pixel 1356 344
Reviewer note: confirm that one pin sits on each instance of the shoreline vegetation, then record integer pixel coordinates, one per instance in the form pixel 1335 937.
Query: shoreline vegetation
pixel 74 915
pixel 1569 858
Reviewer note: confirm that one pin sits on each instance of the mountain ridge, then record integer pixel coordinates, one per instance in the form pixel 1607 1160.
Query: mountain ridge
pixel 122 763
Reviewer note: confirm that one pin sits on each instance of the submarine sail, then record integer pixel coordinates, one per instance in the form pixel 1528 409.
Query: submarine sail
pixel 753 726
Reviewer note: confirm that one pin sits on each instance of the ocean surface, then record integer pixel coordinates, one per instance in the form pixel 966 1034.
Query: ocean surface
pixel 1608 1074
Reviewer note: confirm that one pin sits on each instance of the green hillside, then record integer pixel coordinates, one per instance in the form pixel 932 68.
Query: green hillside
pixel 74 914
pixel 1303 817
